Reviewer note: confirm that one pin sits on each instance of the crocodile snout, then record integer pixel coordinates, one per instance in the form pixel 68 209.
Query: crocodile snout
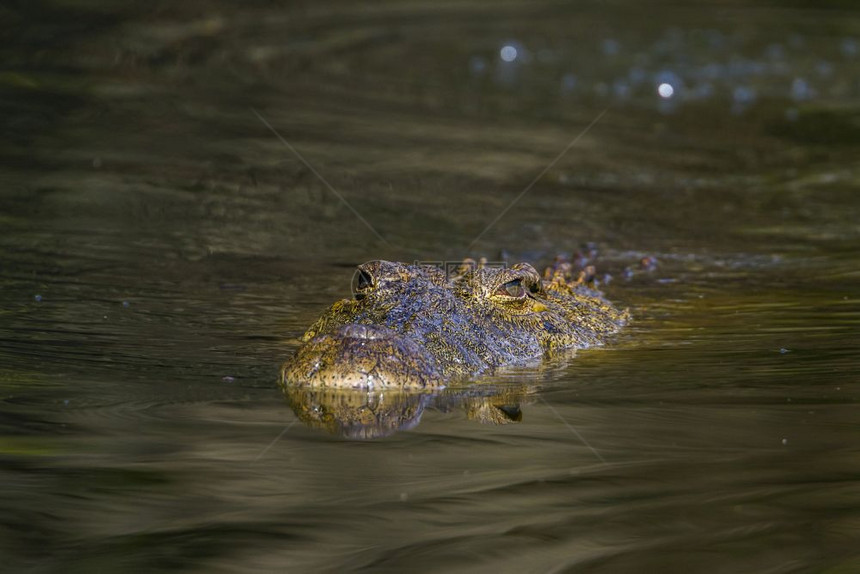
pixel 362 357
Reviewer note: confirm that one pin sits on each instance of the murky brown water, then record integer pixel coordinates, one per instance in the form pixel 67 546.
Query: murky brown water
pixel 162 249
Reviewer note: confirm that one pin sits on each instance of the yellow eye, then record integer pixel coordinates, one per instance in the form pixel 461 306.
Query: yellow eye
pixel 513 289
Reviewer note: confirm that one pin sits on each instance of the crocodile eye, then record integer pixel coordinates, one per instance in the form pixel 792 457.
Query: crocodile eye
pixel 365 281
pixel 512 289
pixel 362 282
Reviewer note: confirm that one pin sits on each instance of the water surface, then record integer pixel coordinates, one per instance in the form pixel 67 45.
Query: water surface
pixel 162 250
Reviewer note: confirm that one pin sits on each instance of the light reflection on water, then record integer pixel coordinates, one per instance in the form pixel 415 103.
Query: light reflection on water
pixel 162 252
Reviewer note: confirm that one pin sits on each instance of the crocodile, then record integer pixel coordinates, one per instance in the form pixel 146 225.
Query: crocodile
pixel 418 328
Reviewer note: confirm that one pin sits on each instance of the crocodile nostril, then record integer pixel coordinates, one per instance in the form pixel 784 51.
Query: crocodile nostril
pixel 362 282
pixel 367 332
pixel 355 331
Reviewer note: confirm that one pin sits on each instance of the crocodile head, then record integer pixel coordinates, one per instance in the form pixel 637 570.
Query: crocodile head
pixel 413 327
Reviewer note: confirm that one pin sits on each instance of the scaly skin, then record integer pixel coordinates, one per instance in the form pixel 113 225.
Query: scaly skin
pixel 412 328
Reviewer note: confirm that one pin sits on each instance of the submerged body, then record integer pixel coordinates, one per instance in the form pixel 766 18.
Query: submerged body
pixel 413 327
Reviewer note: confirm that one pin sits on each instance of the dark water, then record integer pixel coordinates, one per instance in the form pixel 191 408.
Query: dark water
pixel 162 250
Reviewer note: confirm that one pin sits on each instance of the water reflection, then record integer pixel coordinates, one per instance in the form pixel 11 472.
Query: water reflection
pixel 356 414
pixel 359 414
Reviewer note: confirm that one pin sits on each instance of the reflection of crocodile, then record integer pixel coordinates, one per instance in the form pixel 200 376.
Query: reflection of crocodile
pixel 360 414
pixel 411 327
